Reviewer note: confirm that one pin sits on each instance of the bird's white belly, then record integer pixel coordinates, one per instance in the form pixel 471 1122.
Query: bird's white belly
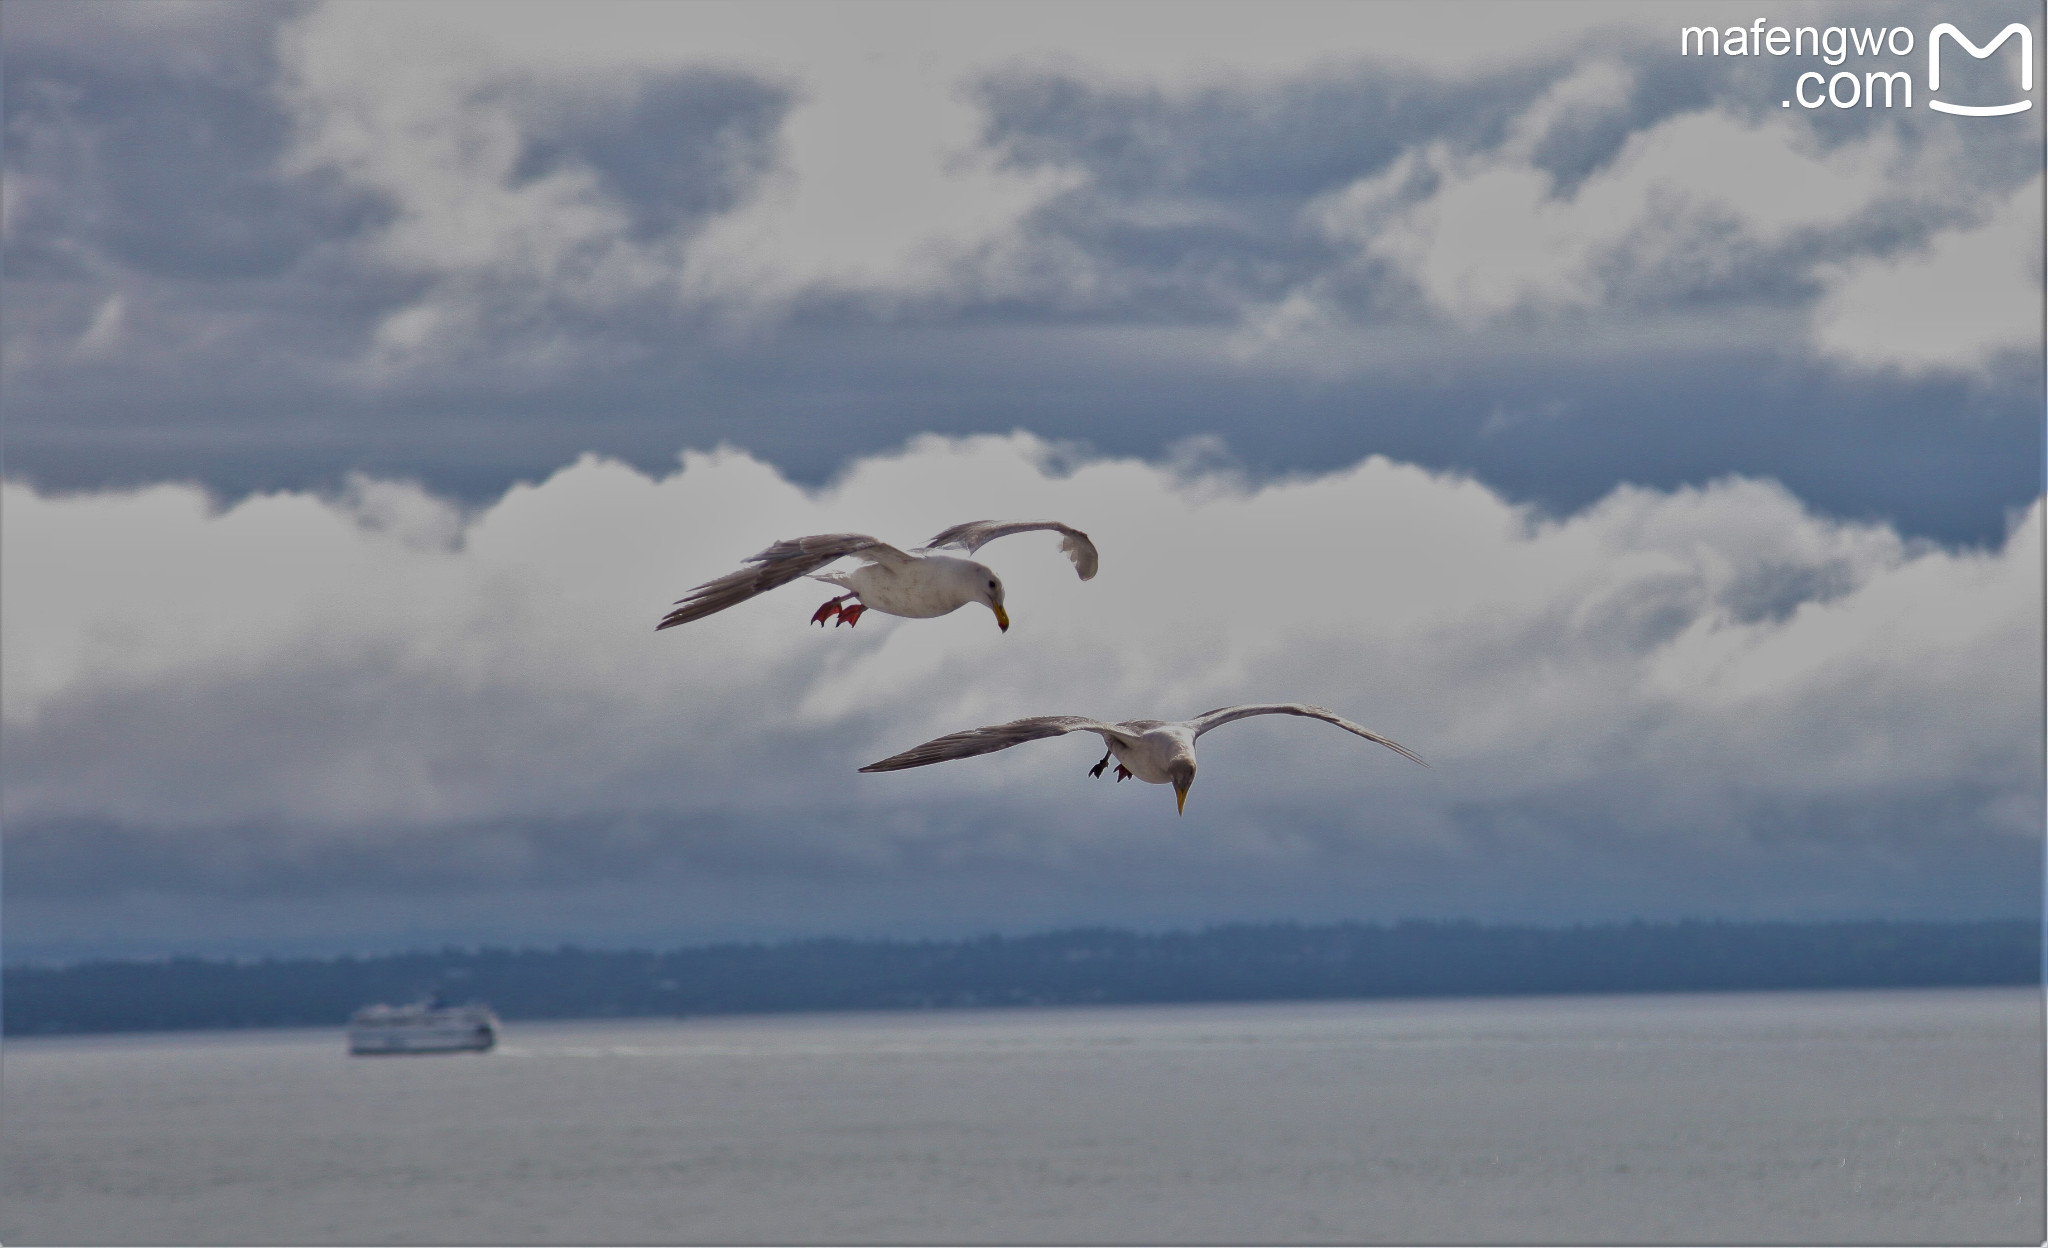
pixel 1147 759
pixel 910 596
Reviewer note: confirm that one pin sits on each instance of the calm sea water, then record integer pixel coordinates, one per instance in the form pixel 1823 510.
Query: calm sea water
pixel 1827 1117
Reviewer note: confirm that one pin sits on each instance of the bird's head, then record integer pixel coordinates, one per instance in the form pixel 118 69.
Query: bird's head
pixel 992 594
pixel 1181 771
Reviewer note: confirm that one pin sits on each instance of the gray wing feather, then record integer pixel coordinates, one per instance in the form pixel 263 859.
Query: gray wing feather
pixel 780 564
pixel 976 534
pixel 988 740
pixel 1224 714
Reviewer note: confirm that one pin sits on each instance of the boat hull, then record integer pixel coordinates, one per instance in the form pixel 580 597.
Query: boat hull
pixel 383 1031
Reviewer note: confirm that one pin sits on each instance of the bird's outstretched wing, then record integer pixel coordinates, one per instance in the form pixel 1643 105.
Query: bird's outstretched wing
pixel 1224 714
pixel 988 740
pixel 780 564
pixel 975 534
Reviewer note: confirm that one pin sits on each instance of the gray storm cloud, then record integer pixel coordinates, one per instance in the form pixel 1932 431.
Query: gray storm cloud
pixel 546 193
pixel 265 246
pixel 1703 700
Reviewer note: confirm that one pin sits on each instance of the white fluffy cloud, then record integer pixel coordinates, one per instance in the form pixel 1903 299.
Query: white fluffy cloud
pixel 1702 203
pixel 882 185
pixel 1708 676
pixel 1679 208
pixel 1971 294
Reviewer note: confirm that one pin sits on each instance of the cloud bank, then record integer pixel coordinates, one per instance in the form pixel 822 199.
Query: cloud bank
pixel 264 246
pixel 331 716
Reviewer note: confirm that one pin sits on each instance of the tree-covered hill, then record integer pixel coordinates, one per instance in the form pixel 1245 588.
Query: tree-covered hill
pixel 1086 966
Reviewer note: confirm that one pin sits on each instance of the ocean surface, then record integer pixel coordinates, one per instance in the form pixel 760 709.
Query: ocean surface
pixel 1842 1118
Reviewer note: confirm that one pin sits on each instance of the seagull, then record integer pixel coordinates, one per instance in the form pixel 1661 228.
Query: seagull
pixel 1153 750
pixel 916 584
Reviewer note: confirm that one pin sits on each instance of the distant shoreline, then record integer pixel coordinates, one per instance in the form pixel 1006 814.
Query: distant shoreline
pixel 1088 966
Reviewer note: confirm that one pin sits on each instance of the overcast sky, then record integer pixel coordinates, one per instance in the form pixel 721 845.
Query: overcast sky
pixel 1658 456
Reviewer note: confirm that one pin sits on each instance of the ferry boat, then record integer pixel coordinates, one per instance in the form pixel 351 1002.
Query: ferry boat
pixel 422 1027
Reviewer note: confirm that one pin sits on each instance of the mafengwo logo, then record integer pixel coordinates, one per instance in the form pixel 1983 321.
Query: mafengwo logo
pixel 1962 40
pixel 1865 88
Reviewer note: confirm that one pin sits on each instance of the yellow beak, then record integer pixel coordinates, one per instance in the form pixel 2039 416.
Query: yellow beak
pixel 1180 797
pixel 1002 617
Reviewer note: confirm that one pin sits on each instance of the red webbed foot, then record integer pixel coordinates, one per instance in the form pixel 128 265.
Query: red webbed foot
pixel 850 615
pixel 827 611
pixel 1123 773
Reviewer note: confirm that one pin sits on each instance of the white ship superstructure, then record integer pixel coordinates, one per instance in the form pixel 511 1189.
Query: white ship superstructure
pixel 423 1027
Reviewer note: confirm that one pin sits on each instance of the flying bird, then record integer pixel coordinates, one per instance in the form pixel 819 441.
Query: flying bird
pixel 917 584
pixel 1155 751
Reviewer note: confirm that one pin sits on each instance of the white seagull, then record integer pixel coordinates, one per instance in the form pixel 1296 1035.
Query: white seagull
pixel 1155 751
pixel 917 584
